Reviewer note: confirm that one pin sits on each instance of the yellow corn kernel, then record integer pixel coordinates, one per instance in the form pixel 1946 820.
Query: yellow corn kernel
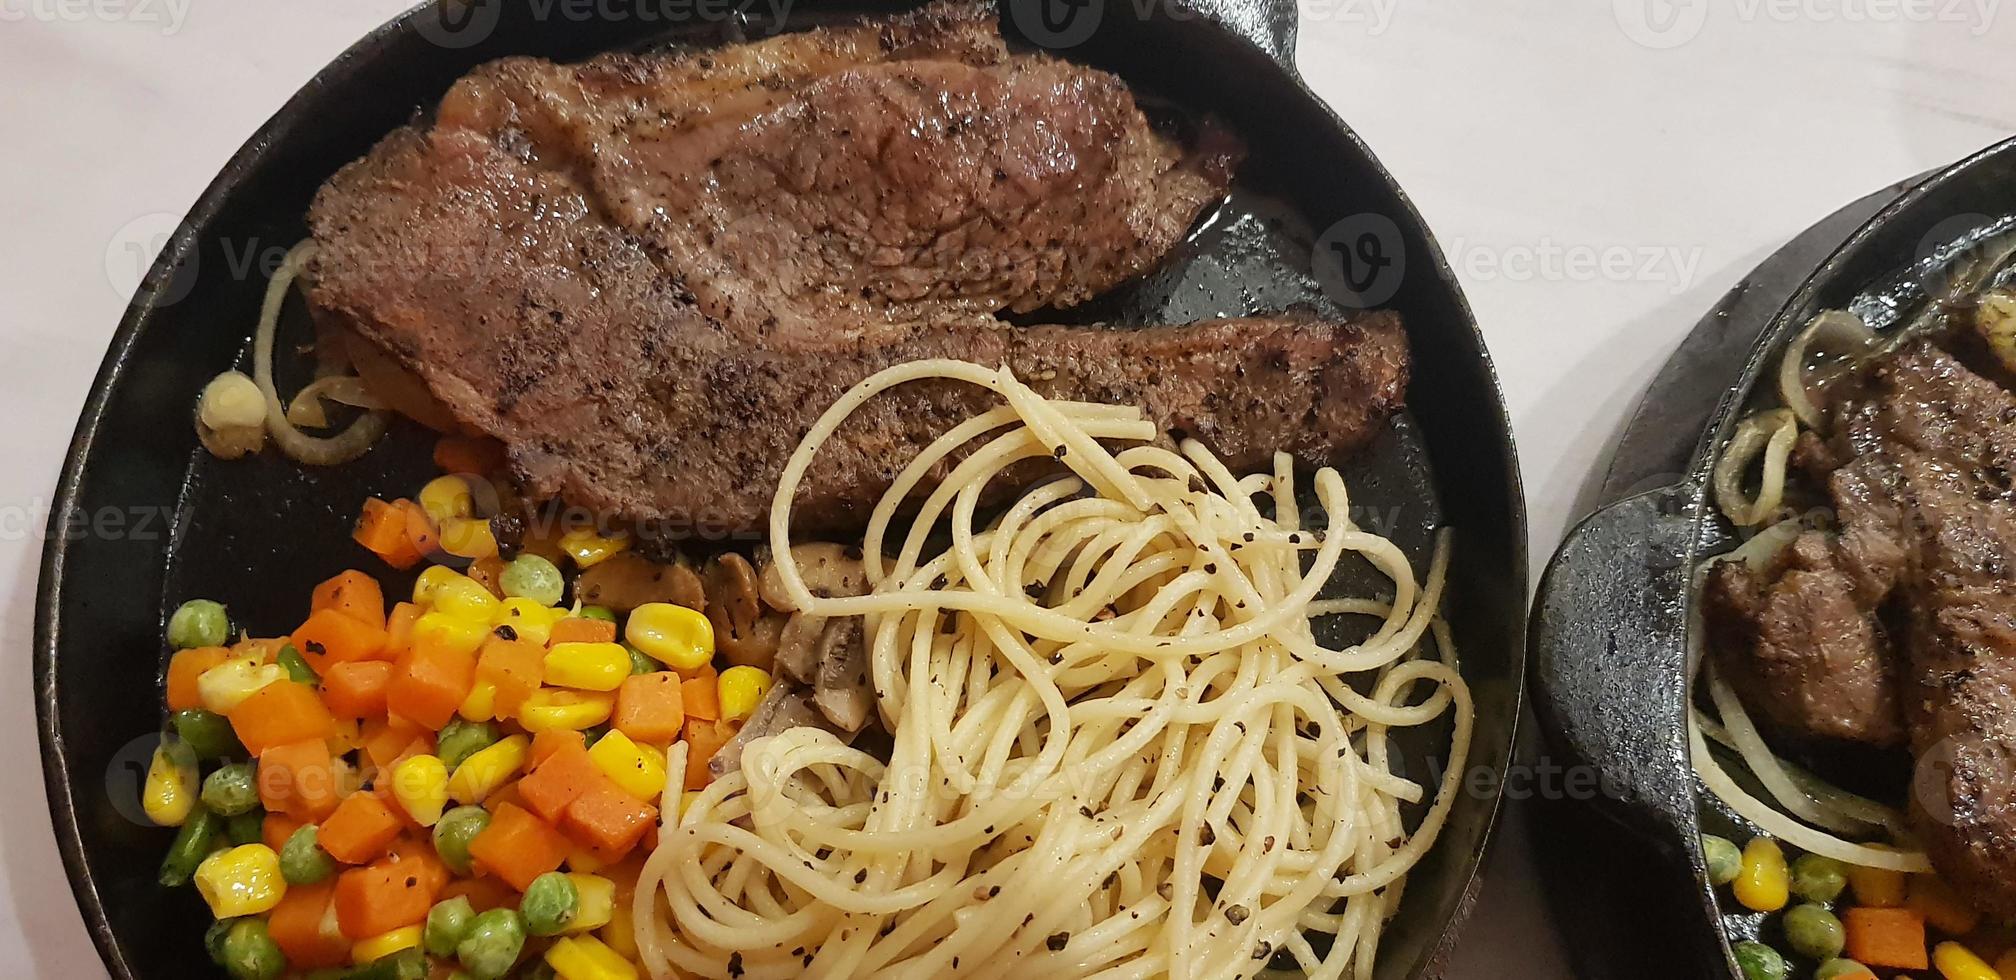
pixel 620 933
pixel 446 498
pixel 596 902
pixel 1957 962
pixel 228 684
pixel 587 666
pixel 1764 884
pixel 675 636
pixel 584 860
pixel 170 792
pixel 349 735
pixel 438 629
pixel 465 598
pixel 481 704
pixel 639 771
pixel 531 621
pixel 488 769
pixel 365 952
pixel 1876 887
pixel 739 689
pixel 420 784
pixel 431 578
pixel 552 708
pixel 588 548
pixel 588 958
pixel 242 880
pixel 468 537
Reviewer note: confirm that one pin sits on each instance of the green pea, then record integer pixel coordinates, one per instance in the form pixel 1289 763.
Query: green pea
pixel 492 945
pixel 407 964
pixel 1725 862
pixel 534 578
pixel 639 663
pixel 246 828
pixel 447 924
pixel 550 903
pixel 603 613
pixel 232 789
pixel 198 623
pixel 213 939
pixel 192 844
pixel 296 665
pixel 302 859
pixel 1760 962
pixel 207 733
pixel 1814 932
pixel 251 954
pixel 454 831
pixel 1836 968
pixel 1818 879
pixel 590 736
pixel 461 739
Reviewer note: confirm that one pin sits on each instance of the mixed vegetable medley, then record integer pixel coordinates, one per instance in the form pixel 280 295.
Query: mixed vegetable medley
pixel 464 784
pixel 1844 922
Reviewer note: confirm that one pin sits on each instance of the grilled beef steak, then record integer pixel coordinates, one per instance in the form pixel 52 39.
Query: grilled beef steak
pixel 1923 455
pixel 647 275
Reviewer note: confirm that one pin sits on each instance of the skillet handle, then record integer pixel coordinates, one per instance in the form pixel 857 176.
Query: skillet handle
pixel 1269 24
pixel 1609 641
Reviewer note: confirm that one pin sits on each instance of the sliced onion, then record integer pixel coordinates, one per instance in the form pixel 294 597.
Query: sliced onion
pixel 1835 331
pixel 341 448
pixel 1769 434
pixel 1766 767
pixel 307 408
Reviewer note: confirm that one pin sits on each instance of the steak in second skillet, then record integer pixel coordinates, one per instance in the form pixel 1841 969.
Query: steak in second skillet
pixel 647 276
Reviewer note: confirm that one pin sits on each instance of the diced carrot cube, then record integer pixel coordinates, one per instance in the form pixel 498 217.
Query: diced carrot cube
pixel 296 925
pixel 431 683
pixel 375 900
pixel 515 668
pixel 299 779
pixel 353 594
pixel 556 782
pixel 701 698
pixel 484 893
pixel 580 629
pixel 703 739
pixel 183 669
pixel 421 534
pixel 360 830
pixel 1889 938
pixel 280 713
pixel 357 689
pixel 387 738
pixel 608 820
pixel 381 529
pixel 332 637
pixel 550 741
pixel 518 846
pixel 488 572
pixel 650 708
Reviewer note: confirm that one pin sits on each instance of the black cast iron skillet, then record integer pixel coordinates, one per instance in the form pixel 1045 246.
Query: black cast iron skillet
pixel 1610 624
pixel 258 533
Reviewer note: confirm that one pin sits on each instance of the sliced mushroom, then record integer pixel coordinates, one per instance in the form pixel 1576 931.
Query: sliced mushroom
pixel 829 570
pixel 743 631
pixel 787 706
pixel 842 692
pixel 798 647
pixel 627 580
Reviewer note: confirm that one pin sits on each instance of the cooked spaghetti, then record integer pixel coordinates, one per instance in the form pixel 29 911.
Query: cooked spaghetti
pixel 1120 749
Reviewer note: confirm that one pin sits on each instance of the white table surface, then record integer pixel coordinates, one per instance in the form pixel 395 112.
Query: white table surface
pixel 1597 182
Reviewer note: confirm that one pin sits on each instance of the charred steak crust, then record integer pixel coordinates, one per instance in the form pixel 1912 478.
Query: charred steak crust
pixel 647 276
